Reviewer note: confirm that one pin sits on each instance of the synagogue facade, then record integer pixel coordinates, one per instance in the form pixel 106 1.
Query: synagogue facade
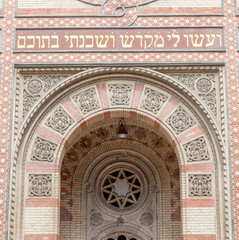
pixel 119 120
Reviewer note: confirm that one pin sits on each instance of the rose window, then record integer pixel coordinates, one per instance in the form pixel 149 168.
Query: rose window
pixel 121 188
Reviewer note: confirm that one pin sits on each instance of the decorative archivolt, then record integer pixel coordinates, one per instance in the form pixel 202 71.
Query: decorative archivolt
pixel 163 99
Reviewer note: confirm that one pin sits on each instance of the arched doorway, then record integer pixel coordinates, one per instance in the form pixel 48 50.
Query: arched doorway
pixel 109 184
pixel 77 114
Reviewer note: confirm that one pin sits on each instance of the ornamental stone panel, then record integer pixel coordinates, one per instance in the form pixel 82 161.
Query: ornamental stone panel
pixel 119 94
pixel 153 100
pixel 203 85
pixel 34 87
pixel 59 121
pixel 196 150
pixel 200 185
pixel 87 100
pixel 40 185
pixel 180 120
pixel 43 150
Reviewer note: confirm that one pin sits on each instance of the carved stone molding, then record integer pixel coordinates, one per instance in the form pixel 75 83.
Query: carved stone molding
pixel 120 94
pixel 153 100
pixel 60 120
pixel 197 150
pixel 180 120
pixel 87 100
pixel 200 185
pixel 39 185
pixel 43 150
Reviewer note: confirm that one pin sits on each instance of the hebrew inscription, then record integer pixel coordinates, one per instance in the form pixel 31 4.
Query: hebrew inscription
pixel 39 185
pixel 200 185
pixel 153 100
pixel 111 39
pixel 180 120
pixel 43 150
pixel 197 150
pixel 60 120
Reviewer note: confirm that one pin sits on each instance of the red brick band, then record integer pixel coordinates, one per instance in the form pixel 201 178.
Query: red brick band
pixel 198 202
pixel 199 237
pixel 71 108
pixel 42 202
pixel 48 134
pixel 41 237
pixel 201 167
pixel 41 167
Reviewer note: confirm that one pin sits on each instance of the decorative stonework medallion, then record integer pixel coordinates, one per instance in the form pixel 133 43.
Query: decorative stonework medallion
pixel 87 100
pixel 196 150
pixel 200 185
pixel 96 219
pixel 34 86
pixel 39 185
pixel 43 150
pixel 120 94
pixel 203 84
pixel 180 120
pixel 153 100
pixel 60 120
pixel 146 219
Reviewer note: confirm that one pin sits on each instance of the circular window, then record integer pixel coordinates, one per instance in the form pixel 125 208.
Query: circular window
pixel 121 188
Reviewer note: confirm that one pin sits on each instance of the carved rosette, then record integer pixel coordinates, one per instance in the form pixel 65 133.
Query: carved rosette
pixel 39 185
pixel 197 150
pixel 146 219
pixel 200 185
pixel 59 121
pixel 119 94
pixel 96 219
pixel 153 100
pixel 180 120
pixel 87 100
pixel 43 150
